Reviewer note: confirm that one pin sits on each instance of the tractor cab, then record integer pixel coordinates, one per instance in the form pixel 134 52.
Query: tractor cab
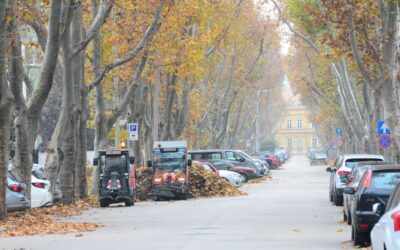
pixel 117 177
pixel 171 172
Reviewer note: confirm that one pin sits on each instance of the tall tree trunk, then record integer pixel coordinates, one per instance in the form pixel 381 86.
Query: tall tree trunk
pixel 60 159
pixel 23 154
pixel 5 111
pixel 101 140
pixel 80 189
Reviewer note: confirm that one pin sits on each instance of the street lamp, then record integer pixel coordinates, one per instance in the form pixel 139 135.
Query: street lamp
pixel 259 92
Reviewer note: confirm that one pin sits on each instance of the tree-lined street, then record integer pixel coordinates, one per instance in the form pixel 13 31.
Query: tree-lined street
pixel 289 211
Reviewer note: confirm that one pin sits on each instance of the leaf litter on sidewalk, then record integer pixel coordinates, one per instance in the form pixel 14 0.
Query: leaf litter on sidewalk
pixel 41 221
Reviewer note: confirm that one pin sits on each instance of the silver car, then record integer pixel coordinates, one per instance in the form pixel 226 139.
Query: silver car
pixel 16 199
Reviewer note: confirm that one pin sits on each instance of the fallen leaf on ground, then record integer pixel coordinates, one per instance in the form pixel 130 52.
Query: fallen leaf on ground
pixel 297 230
pixel 47 221
pixel 339 230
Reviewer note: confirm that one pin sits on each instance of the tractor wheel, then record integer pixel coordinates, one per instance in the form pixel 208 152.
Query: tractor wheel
pixel 104 203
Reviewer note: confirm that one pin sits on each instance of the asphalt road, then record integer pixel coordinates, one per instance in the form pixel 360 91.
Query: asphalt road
pixel 289 211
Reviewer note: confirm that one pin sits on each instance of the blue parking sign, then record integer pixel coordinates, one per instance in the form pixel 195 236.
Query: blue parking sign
pixel 133 131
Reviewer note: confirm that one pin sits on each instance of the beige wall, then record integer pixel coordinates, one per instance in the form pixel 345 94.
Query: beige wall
pixel 301 138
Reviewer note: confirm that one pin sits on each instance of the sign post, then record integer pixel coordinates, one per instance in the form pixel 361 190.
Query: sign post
pixel 133 130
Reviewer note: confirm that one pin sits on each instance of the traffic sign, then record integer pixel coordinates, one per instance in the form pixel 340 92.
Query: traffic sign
pixel 339 131
pixel 133 129
pixel 385 141
pixel 339 141
pixel 383 129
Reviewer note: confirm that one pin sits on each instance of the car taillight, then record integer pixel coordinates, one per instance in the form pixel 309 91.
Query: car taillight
pixel 38 184
pixel 118 183
pixel 396 221
pixel 368 178
pixel 342 173
pixel 363 227
pixel 109 183
pixel 15 188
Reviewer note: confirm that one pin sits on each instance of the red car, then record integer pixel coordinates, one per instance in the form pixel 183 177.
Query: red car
pixel 245 172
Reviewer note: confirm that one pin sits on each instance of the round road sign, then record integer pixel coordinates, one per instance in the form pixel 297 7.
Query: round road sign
pixel 385 141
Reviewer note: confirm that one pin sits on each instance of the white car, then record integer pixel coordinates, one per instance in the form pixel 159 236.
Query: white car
pixel 232 177
pixel 386 232
pixel 40 193
pixel 342 167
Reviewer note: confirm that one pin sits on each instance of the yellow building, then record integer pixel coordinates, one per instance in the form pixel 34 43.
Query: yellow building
pixel 296 131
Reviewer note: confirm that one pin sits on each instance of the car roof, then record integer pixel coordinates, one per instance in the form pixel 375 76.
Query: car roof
pixel 372 163
pixel 209 150
pixel 361 156
pixel 385 167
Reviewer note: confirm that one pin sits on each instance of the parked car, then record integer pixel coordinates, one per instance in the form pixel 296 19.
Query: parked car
pixel 319 157
pixel 230 155
pixel 342 167
pixel 265 158
pixel 353 180
pixel 375 186
pixel 263 165
pixel 38 172
pixel 16 198
pixel 245 172
pixel 386 233
pixel 271 158
pixel 230 176
pixel 40 193
pixel 311 153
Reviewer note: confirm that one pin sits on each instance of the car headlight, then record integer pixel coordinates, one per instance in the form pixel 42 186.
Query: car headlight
pixel 181 179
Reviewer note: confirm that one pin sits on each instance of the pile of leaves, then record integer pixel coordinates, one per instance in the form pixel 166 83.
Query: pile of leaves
pixel 208 184
pixel 46 221
pixel 144 182
pixel 259 180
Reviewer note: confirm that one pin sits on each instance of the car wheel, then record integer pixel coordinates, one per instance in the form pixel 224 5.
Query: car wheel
pixel 104 203
pixel 358 238
pixel 129 203
pixel 330 195
pixel 337 199
pixel 348 219
pixel 245 177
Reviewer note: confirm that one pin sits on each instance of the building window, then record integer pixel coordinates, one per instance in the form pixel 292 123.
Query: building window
pixel 289 143
pixel 314 142
pixel 289 123
pixel 299 124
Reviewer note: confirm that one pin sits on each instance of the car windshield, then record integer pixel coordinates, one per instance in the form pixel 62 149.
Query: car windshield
pixel 385 180
pixel 169 160
pixel 113 162
pixel 352 162
pixel 245 155
pixel 220 165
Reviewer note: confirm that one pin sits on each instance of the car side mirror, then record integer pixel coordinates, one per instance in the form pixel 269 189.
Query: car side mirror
pixel 131 160
pixel 149 164
pixel 242 160
pixel 189 162
pixel 349 190
pixel 378 209
pixel 95 161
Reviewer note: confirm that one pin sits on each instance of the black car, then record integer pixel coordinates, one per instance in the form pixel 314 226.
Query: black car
pixel 353 180
pixel 375 186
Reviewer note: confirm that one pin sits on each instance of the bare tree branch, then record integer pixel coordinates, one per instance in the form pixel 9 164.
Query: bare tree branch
pixel 135 51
